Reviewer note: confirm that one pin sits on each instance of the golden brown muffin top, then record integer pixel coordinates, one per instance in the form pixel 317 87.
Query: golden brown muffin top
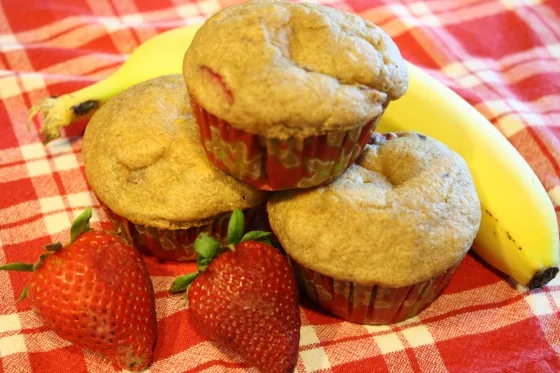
pixel 144 160
pixel 281 69
pixel 404 213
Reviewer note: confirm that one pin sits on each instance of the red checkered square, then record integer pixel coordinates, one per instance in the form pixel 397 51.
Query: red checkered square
pixel 508 352
pixel 15 192
pixel 50 360
pixel 471 274
pixel 488 31
pixel 375 364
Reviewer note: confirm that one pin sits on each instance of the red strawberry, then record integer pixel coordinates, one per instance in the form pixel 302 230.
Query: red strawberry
pixel 245 297
pixel 95 292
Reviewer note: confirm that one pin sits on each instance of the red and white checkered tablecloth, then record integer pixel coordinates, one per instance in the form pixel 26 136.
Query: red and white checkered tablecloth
pixel 502 56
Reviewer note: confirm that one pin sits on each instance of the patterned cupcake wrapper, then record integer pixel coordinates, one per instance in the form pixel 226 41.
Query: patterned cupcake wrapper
pixel 273 164
pixel 370 304
pixel 177 244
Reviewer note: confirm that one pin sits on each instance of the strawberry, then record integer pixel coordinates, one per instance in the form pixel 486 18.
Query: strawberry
pixel 244 297
pixel 96 293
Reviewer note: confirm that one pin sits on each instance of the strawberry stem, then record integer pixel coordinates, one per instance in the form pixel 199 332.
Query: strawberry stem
pixel 24 267
pixel 182 283
pixel 256 236
pixel 81 224
pixel 208 248
pixel 22 295
pixel 236 227
pixel 53 246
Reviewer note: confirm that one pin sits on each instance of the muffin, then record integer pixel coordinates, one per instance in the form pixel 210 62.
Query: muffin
pixel 380 243
pixel 286 95
pixel 144 162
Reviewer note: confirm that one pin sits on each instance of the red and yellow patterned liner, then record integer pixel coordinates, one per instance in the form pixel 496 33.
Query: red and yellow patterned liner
pixel 273 164
pixel 370 304
pixel 176 244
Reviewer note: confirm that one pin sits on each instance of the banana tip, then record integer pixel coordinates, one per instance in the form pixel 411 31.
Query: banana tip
pixel 542 278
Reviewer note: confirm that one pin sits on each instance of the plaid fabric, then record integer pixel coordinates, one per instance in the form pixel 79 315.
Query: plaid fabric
pixel 501 56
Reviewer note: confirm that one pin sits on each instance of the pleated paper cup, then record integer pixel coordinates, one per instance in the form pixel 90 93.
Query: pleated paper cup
pixel 274 164
pixel 371 304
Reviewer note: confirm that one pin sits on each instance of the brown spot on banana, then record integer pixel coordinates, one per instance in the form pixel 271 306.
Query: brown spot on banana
pixel 85 107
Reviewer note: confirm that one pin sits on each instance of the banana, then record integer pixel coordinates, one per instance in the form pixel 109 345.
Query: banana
pixel 161 55
pixel 519 230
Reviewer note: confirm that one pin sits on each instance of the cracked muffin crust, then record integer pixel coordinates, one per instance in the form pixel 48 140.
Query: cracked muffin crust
pixel 406 211
pixel 144 162
pixel 286 95
pixel 282 69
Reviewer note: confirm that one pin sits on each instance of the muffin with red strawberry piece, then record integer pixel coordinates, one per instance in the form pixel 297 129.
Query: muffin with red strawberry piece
pixel 380 243
pixel 286 95
pixel 144 162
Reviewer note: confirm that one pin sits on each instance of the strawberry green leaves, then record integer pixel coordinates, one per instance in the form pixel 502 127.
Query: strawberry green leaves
pixel 208 248
pixel 22 267
pixel 236 227
pixel 81 224
pixel 182 283
pixel 256 236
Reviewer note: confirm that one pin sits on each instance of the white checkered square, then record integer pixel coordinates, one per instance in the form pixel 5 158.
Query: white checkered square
pixel 431 20
pixel 554 194
pixel 418 336
pixel 554 50
pixel 475 64
pixel 33 81
pixel 555 295
pixel 399 10
pixel 57 223
pixel 209 7
pixel 455 69
pixel 377 328
pixel 533 119
pixel 315 360
pixel 79 199
pixel 419 8
pixel 308 336
pixel 410 320
pixel 196 20
pixel 9 323
pixel 469 81
pixel 187 10
pixel 489 76
pixel 12 345
pixel 9 87
pixel 133 19
pixel 110 23
pixel 39 167
pixel 9 43
pixel 512 4
pixel 32 151
pixel 498 107
pixel 66 162
pixel 60 145
pixel 50 204
pixel 510 124
pixel 388 343
pixel 539 304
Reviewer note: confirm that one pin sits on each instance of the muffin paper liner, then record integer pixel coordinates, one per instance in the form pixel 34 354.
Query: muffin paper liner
pixel 177 244
pixel 274 164
pixel 371 304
